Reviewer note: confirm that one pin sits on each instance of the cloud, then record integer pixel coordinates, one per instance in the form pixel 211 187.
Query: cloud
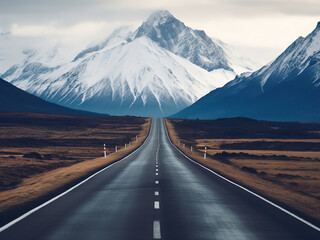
pixel 269 24
pixel 276 32
pixel 71 11
pixel 66 13
pixel 4 35
pixel 48 30
pixel 271 7
pixel 78 35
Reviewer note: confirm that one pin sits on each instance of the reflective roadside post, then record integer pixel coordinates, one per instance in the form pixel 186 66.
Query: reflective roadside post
pixel 116 149
pixel 191 148
pixel 105 150
pixel 205 153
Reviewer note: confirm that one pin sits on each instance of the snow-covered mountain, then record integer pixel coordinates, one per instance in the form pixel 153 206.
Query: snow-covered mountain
pixel 286 89
pixel 133 72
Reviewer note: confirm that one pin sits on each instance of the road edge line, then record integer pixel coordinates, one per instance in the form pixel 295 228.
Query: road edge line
pixel 23 216
pixel 244 188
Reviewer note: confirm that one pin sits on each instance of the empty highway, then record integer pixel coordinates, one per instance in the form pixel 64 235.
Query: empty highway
pixel 157 193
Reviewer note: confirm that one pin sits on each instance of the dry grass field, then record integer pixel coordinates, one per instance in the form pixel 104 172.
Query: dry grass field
pixel 286 170
pixel 70 147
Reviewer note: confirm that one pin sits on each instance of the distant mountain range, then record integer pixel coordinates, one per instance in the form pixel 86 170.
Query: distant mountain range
pixel 288 89
pixel 156 70
pixel 13 99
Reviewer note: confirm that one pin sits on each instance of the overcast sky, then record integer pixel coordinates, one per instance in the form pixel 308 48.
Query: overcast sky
pixel 260 29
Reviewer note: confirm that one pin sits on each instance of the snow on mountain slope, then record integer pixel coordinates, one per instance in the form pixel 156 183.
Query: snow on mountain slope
pixel 124 80
pixel 117 37
pixel 287 89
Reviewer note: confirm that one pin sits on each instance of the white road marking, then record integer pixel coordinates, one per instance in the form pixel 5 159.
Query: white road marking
pixel 156 205
pixel 156 193
pixel 245 189
pixel 157 153
pixel 156 230
pixel 157 174
pixel 157 165
pixel 157 170
pixel 157 182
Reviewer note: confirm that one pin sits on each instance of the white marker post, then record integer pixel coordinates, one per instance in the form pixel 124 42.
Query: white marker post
pixel 136 138
pixel 125 145
pixel 116 148
pixel 184 145
pixel 129 144
pixel 205 153
pixel 191 148
pixel 105 150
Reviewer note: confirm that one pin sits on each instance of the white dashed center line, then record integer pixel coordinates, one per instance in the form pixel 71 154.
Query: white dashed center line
pixel 157 153
pixel 156 205
pixel 156 230
pixel 156 223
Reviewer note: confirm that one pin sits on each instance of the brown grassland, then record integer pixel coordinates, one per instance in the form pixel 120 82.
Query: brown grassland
pixel 285 170
pixel 71 147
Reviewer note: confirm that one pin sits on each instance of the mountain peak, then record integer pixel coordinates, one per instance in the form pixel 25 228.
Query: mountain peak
pixel 160 16
pixel 173 35
pixel 316 30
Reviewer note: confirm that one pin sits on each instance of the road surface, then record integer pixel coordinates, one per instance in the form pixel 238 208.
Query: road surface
pixel 156 193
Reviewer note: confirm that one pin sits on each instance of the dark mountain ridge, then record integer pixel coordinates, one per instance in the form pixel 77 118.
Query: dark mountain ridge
pixel 13 99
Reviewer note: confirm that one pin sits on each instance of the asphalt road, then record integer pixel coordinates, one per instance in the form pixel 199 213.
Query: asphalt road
pixel 158 193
